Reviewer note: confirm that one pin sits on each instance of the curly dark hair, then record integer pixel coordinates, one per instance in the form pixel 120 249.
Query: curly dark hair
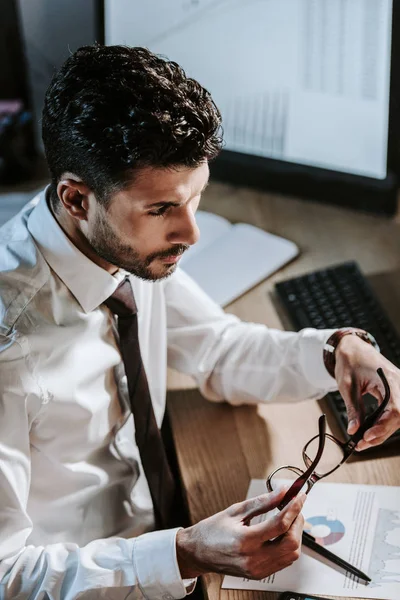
pixel 111 110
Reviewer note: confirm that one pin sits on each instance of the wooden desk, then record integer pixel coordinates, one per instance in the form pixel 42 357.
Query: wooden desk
pixel 220 448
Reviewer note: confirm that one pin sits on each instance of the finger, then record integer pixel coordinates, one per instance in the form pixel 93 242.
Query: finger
pixel 248 509
pixel 380 430
pixel 387 424
pixel 290 541
pixel 364 445
pixel 361 446
pixel 351 393
pixel 294 534
pixel 279 523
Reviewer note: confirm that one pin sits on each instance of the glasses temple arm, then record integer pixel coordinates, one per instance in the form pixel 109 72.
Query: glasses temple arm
pixel 300 481
pixel 371 419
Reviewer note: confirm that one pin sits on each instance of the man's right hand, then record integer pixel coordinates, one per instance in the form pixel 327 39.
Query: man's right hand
pixel 227 543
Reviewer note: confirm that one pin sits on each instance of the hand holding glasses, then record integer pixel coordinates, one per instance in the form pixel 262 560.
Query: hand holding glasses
pixel 325 452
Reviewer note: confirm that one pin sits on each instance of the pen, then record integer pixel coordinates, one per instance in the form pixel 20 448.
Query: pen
pixel 310 542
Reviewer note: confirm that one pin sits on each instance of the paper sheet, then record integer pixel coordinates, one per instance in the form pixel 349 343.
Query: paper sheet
pixel 361 524
pixel 230 259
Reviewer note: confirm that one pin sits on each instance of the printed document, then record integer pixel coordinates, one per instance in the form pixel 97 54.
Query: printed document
pixel 359 523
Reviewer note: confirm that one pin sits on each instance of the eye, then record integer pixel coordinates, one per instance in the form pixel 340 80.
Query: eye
pixel 160 212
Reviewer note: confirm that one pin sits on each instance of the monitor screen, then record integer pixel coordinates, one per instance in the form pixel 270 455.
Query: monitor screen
pixel 304 81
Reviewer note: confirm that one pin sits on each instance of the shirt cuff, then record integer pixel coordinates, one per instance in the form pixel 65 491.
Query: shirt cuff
pixel 190 584
pixel 312 343
pixel 156 565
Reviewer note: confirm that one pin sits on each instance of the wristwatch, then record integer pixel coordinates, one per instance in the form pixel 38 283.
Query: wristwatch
pixel 333 342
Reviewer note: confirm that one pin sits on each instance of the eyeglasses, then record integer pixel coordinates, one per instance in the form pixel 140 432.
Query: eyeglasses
pixel 325 452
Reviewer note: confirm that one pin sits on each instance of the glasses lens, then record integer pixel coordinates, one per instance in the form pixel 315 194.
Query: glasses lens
pixel 284 477
pixel 331 457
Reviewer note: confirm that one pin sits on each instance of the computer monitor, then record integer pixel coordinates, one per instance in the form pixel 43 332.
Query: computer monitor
pixel 303 87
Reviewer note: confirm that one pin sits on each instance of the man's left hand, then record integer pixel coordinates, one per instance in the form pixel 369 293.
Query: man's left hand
pixel 356 374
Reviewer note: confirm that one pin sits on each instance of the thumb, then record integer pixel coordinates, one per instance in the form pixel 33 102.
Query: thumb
pixel 351 394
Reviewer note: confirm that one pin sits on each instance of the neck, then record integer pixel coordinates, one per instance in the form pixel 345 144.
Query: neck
pixel 76 236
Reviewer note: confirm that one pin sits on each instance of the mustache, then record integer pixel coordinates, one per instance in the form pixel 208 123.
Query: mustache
pixel 175 251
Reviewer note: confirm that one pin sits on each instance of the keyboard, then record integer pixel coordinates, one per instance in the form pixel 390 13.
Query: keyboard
pixel 341 296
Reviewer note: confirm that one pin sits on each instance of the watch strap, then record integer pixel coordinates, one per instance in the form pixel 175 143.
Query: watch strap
pixel 329 353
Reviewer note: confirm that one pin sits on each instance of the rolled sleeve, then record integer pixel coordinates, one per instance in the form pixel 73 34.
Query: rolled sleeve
pixel 156 565
pixel 237 361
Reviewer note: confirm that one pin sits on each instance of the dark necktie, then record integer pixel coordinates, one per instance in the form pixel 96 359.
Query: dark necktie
pixel 148 437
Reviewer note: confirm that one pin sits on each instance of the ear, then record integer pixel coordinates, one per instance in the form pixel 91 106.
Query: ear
pixel 74 196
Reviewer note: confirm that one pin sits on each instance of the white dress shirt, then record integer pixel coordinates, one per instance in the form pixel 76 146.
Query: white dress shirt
pixel 75 509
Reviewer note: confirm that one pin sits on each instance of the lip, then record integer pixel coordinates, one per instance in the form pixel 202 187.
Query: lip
pixel 170 260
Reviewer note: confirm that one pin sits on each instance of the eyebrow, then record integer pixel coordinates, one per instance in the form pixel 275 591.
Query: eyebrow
pixel 166 203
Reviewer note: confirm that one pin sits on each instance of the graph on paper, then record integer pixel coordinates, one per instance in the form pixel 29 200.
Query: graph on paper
pixel 359 523
pixel 384 565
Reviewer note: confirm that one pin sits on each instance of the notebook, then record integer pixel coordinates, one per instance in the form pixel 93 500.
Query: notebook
pixel 230 259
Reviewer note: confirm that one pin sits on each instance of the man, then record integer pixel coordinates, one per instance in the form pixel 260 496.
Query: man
pixel 82 483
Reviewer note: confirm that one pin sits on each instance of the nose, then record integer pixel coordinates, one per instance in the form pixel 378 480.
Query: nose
pixel 184 229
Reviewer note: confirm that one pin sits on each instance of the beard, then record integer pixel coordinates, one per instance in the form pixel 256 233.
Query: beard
pixel 109 247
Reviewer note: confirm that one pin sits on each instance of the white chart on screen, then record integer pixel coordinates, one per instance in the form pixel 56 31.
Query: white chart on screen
pixel 300 80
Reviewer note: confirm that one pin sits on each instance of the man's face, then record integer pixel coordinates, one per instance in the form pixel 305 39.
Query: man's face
pixel 148 226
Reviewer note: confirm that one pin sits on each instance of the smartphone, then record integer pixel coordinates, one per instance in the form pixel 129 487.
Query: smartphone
pixel 297 596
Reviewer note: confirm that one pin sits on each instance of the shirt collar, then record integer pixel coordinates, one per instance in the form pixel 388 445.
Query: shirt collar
pixel 90 284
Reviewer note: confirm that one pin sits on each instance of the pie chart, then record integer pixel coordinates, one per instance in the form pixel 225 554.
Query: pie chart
pixel 325 531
